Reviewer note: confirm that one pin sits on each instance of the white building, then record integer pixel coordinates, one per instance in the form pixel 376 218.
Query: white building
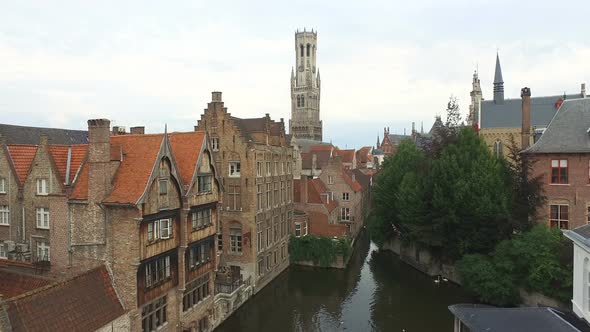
pixel 581 298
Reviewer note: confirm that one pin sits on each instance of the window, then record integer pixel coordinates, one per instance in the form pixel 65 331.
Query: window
pixel 259 197
pixel 268 195
pixel 268 170
pixel 4 215
pixel 42 187
pixel 330 179
pixel 2 186
pixel 276 229
pixel 260 239
pixel 283 168
pixel 159 229
pixel 43 251
pixel 275 261
pixel 215 144
pixel 259 169
pixel 43 218
pixel 201 218
pixel 289 191
pixel 235 240
pixel 3 253
pixel 301 47
pixel 196 291
pixel 268 262
pixel 345 196
pixel 234 169
pixel 157 271
pixel 234 202
pixel 498 149
pixel 268 235
pixel 276 168
pixel 153 315
pixel 297 229
pixel 308 47
pixel 163 186
pixel 204 183
pixel 559 171
pixel 199 253
pixel 289 167
pixel 559 216
pixel 283 193
pixel 260 266
pixel 277 198
pixel 345 214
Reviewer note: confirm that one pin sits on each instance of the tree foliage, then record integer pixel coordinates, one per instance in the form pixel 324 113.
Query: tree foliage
pixel 534 260
pixel 318 249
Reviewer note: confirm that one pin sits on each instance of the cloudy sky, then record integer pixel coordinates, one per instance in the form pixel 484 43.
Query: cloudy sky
pixel 383 63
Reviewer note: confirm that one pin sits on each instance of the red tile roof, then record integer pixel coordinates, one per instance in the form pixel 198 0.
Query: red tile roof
pixel 83 303
pixel 22 156
pixel 321 147
pixel 362 155
pixel 14 284
pixel 186 148
pixel 139 157
pixel 59 153
pixel 319 225
pixel 315 189
pixel 346 156
pixel 80 184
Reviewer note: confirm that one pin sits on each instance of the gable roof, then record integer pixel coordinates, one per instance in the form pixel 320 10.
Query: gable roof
pixel 509 113
pixel 362 154
pixel 319 225
pixel 22 156
pixel 32 135
pixel 83 303
pixel 80 183
pixel 139 157
pixel 347 175
pixel 363 179
pixel 186 148
pixel 347 156
pixel 14 284
pixel 59 153
pixel 315 189
pixel 568 131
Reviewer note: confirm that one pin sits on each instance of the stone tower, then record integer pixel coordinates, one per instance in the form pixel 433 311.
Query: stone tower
pixel 305 120
pixel 476 98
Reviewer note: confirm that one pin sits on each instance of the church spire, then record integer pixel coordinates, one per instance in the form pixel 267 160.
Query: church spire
pixel 498 83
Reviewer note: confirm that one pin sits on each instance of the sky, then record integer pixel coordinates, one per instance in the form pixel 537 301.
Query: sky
pixel 383 63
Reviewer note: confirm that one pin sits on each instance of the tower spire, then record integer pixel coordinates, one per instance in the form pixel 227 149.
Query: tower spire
pixel 498 83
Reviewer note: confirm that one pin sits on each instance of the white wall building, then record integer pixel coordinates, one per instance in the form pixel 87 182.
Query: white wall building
pixel 581 298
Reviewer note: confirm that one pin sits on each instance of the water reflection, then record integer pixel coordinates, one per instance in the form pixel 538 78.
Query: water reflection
pixel 376 293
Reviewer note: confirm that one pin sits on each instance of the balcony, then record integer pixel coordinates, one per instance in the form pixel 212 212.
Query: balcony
pixel 228 280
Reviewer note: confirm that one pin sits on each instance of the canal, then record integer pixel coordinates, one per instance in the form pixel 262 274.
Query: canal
pixel 377 292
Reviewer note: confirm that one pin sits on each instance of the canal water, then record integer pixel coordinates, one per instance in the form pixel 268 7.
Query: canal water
pixel 377 292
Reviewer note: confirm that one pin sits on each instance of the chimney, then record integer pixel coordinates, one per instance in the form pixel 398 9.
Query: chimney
pixel 99 157
pixel 216 97
pixel 137 130
pixel 303 189
pixel 525 94
pixel 43 140
pixel 583 90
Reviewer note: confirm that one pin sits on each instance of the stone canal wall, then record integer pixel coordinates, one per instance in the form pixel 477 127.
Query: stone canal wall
pixel 423 260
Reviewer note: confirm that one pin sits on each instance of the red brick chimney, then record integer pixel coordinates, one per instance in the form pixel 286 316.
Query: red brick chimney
pixel 303 189
pixel 137 130
pixel 525 94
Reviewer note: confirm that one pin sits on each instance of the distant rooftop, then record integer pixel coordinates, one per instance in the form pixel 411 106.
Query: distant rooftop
pixel 31 135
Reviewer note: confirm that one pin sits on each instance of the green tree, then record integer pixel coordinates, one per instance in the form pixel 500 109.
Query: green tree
pixel 481 277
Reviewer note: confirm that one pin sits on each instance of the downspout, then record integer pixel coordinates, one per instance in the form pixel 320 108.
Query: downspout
pixel 23 220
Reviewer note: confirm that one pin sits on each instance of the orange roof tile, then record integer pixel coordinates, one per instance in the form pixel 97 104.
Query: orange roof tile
pixel 139 156
pixel 354 185
pixel 78 156
pixel 84 303
pixel 80 191
pixel 321 147
pixel 363 154
pixel 315 189
pixel 59 153
pixel 319 225
pixel 186 148
pixel 22 156
pixel 347 156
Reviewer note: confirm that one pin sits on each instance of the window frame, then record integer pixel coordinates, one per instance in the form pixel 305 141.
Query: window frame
pixel 204 183
pixel 41 213
pixel 2 185
pixel 214 143
pixel 235 240
pixel 155 313
pixel 42 186
pixel 4 215
pixel 201 218
pixel 559 221
pixel 237 168
pixel 330 179
pixel 345 196
pixel 559 174
pixel 345 216
pixel 44 249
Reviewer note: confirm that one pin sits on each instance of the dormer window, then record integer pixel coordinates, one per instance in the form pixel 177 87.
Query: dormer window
pixel 234 169
pixel 163 184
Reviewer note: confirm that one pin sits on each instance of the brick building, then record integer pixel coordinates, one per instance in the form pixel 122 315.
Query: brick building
pixel 255 164
pixel 147 205
pixel 562 157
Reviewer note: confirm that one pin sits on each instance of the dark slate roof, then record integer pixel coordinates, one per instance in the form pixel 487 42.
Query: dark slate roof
pixel 509 113
pixel 397 139
pixel 580 235
pixel 583 231
pixel 84 303
pixel 248 126
pixel 568 131
pixel 362 178
pixel 480 318
pixel 31 135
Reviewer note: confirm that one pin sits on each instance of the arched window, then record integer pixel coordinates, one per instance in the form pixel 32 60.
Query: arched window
pixel 308 49
pixel 298 101
pixel 301 47
pixel 302 101
pixel 498 148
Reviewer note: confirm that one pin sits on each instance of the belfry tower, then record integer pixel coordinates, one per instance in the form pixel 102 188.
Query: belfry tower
pixel 305 120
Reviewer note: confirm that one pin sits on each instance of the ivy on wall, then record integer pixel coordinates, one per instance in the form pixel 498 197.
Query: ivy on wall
pixel 320 250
